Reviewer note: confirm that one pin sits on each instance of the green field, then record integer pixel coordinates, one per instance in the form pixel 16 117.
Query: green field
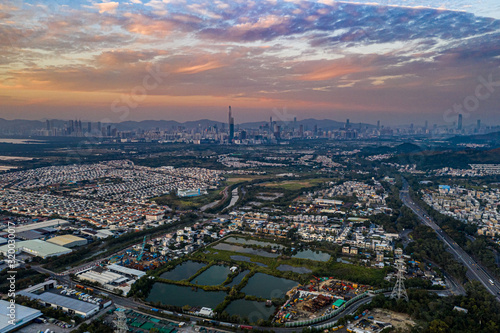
pixel 175 202
pixel 294 185
pixel 243 179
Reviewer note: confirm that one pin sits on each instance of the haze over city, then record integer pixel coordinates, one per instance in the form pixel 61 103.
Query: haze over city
pixel 396 61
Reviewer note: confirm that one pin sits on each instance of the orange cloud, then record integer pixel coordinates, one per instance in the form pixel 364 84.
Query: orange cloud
pixel 120 57
pixel 199 68
pixel 333 71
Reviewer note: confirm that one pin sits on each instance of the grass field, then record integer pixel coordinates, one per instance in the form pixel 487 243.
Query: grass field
pixel 189 203
pixel 242 179
pixel 296 184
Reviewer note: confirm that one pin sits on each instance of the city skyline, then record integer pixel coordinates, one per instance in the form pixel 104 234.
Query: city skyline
pixel 394 61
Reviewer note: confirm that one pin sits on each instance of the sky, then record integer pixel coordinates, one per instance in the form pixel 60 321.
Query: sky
pixel 398 61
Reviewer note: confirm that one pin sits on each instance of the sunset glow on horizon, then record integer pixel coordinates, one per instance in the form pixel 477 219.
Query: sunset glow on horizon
pixel 186 60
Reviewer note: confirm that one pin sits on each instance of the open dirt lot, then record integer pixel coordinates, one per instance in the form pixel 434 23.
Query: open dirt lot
pixel 398 320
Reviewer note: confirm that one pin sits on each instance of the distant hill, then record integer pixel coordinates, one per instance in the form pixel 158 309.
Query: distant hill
pixel 8 126
pixel 20 125
pixel 490 138
pixel 460 159
pixel 404 148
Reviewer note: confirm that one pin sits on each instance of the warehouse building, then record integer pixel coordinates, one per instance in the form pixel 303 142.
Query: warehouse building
pixel 23 316
pixel 68 241
pixel 103 277
pixel 37 247
pixel 44 224
pixel 129 272
pixel 66 304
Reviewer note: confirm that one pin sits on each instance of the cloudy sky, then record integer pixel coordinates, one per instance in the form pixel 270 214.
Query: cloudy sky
pixel 399 61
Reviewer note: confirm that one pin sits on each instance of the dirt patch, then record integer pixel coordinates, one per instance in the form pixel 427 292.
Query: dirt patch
pixel 400 321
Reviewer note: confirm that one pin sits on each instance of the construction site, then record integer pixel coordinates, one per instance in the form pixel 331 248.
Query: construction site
pixel 377 320
pixel 120 271
pixel 320 297
pixel 139 258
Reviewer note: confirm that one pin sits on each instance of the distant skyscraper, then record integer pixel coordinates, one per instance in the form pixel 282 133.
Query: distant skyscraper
pixel 271 127
pixel 99 126
pixel 347 125
pixel 378 124
pixel 294 122
pixel 459 126
pixel 89 127
pixel 426 124
pixel 231 126
pixel 479 124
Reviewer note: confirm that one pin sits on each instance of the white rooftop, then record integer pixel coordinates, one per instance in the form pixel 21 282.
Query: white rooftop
pixel 126 270
pixel 44 224
pixel 23 314
pixel 39 248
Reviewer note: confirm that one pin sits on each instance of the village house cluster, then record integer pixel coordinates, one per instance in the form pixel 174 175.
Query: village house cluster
pixel 99 213
pixel 476 170
pixel 468 205
pixel 119 181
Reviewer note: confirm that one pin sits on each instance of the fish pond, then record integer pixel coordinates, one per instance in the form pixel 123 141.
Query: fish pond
pixel 237 279
pixel 247 259
pixel 251 242
pixel 288 268
pixel 241 249
pixel 213 276
pixel 268 286
pixel 171 294
pixel 183 271
pixel 253 310
pixel 312 255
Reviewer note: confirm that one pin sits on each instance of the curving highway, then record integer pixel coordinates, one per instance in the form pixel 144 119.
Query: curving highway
pixel 474 270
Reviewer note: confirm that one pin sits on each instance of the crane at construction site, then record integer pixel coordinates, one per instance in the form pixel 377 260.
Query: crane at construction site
pixel 139 257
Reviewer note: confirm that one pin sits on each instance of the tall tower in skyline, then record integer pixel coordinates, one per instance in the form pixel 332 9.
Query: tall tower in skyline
pixel 479 124
pixel 459 126
pixel 231 126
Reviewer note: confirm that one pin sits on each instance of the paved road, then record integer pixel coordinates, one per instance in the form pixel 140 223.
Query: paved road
pixel 216 202
pixel 474 270
pixel 405 238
